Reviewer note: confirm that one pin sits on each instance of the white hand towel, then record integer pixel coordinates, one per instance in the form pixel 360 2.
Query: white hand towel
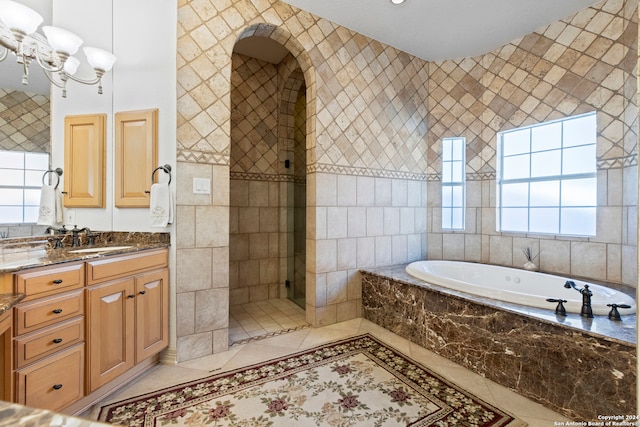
pixel 47 211
pixel 59 204
pixel 161 209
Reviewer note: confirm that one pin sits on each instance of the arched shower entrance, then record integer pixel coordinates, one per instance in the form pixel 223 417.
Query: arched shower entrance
pixel 270 138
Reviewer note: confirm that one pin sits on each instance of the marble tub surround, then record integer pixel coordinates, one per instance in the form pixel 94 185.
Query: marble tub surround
pixel 20 253
pixel 578 367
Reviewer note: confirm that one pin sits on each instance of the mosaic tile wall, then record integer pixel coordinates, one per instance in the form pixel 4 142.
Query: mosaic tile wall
pixel 24 122
pixel 584 63
pixel 366 121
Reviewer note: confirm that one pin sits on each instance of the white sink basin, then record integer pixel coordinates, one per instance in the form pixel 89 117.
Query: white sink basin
pixel 99 249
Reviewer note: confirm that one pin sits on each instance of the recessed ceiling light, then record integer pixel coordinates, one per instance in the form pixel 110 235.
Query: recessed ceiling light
pixel 397 1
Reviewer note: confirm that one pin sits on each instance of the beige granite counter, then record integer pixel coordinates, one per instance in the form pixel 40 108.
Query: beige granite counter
pixel 18 254
pixel 12 415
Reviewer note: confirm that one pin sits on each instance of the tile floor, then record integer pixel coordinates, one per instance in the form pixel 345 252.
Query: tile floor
pixel 257 320
pixel 260 349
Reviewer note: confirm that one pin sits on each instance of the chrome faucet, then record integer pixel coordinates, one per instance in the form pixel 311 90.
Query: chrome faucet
pixel 586 310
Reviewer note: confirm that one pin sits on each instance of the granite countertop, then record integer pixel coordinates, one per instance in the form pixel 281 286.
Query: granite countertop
pixel 623 331
pixel 12 414
pixel 19 254
pixel 7 301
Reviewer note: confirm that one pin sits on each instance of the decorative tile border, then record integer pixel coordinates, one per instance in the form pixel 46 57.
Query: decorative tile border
pixel 219 159
pixel 376 173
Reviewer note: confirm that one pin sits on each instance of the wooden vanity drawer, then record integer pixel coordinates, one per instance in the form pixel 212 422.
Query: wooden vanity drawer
pixel 29 348
pixel 40 313
pixel 101 270
pixel 54 383
pixel 45 281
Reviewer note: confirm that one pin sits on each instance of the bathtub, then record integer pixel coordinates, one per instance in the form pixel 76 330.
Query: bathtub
pixel 516 286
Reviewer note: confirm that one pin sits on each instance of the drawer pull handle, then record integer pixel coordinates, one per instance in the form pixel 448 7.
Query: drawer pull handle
pixel 57 281
pixel 57 340
pixel 57 386
pixel 57 311
pixel 142 292
pixel 131 296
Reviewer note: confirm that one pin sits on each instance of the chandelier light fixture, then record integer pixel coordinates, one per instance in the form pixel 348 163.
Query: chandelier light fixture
pixel 53 51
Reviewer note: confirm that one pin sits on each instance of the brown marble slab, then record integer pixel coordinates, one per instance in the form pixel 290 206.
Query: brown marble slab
pixel 7 301
pixel 21 253
pixel 571 370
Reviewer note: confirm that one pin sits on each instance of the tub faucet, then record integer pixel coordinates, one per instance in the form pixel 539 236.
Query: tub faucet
pixel 585 311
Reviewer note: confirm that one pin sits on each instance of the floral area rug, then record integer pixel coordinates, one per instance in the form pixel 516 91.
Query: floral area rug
pixel 354 382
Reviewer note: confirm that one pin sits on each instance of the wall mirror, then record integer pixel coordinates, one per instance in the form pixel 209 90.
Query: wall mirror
pixel 25 140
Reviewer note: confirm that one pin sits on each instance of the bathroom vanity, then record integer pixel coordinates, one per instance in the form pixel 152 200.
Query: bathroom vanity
pixel 88 322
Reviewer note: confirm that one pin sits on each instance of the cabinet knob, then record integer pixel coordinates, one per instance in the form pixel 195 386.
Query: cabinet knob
pixel 57 386
pixel 57 311
pixel 57 281
pixel 57 340
pixel 131 296
pixel 142 292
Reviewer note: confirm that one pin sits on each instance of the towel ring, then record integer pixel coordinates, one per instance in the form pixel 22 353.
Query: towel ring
pixel 57 171
pixel 166 168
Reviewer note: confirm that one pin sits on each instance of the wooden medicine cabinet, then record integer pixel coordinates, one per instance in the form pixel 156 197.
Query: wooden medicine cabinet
pixel 136 155
pixel 84 160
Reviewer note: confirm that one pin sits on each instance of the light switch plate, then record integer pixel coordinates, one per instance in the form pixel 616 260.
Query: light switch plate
pixel 69 217
pixel 201 186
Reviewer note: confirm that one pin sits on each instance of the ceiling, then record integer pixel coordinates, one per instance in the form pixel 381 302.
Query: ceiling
pixel 443 29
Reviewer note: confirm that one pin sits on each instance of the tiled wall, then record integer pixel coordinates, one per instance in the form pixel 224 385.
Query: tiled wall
pixel 24 122
pixel 254 254
pixel 375 116
pixel 365 151
pixel 587 62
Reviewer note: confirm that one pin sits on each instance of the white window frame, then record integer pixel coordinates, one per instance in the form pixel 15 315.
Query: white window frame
pixel 453 178
pixel 7 184
pixel 561 178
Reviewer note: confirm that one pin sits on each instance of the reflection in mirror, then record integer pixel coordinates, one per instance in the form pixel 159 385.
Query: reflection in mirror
pixel 25 118
pixel 21 176
pixel 25 147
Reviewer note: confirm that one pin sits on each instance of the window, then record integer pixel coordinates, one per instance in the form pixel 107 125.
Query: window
pixel 20 184
pixel 547 177
pixel 453 183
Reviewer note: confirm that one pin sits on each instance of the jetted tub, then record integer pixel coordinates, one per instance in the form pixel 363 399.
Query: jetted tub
pixel 517 286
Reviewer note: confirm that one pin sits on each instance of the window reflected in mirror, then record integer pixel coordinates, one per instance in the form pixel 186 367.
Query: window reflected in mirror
pixel 21 176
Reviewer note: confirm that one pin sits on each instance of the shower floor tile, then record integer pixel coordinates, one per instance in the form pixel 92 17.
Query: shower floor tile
pixel 264 319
